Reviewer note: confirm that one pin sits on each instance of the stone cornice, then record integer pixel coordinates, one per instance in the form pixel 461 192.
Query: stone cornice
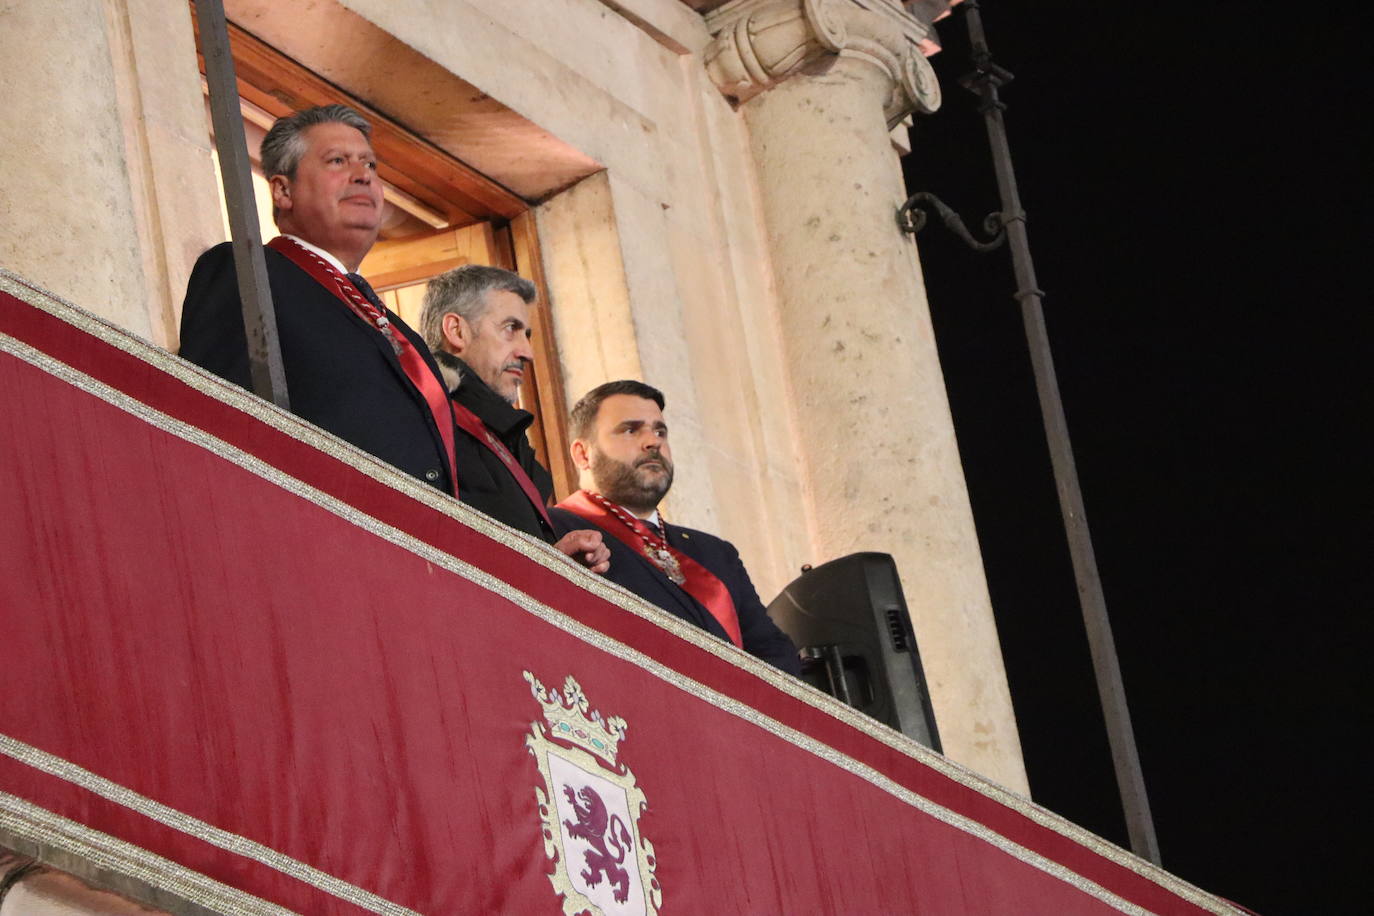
pixel 759 43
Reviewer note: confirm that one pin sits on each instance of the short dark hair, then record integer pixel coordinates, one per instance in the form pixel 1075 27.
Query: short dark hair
pixel 583 415
pixel 463 290
pixel 284 144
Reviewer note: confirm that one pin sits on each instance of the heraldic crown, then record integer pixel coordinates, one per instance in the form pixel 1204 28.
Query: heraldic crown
pixel 570 719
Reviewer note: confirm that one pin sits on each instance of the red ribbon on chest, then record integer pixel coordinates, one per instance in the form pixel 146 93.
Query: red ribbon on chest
pixel 412 363
pixel 474 426
pixel 699 582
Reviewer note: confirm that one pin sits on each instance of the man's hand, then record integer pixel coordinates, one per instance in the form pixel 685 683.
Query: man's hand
pixel 586 548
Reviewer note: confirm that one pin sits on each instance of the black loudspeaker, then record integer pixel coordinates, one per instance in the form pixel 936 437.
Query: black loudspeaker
pixel 849 620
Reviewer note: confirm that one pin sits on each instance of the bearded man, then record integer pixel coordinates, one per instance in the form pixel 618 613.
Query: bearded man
pixel 620 447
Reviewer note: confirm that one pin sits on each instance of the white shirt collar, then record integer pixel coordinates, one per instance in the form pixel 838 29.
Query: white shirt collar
pixel 653 518
pixel 333 261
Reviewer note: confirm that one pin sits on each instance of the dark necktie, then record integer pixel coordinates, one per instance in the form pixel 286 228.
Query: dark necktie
pixel 380 320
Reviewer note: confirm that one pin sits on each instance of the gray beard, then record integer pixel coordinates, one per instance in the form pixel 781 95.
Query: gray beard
pixel 626 486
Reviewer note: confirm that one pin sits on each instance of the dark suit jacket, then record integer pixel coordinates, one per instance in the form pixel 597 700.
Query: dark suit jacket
pixel 636 572
pixel 341 373
pixel 484 482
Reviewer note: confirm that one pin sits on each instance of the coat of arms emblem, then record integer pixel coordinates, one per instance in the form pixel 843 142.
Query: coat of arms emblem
pixel 589 808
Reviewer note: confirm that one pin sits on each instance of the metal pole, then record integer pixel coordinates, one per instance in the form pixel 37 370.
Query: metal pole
pixel 259 315
pixel 1130 782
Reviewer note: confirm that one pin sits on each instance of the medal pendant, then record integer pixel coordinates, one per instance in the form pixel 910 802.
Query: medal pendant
pixel 668 563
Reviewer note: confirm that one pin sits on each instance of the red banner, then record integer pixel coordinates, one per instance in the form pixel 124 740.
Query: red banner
pixel 251 666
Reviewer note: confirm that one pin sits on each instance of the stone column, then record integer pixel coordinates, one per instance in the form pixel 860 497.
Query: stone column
pixel 821 83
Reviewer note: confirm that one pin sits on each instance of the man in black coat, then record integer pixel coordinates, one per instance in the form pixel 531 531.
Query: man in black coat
pixel 620 446
pixel 476 321
pixel 352 367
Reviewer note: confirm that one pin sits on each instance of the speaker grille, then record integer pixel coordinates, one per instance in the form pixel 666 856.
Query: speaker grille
pixel 896 630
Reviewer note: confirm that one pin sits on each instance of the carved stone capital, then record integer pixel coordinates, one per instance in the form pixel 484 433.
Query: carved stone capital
pixel 759 43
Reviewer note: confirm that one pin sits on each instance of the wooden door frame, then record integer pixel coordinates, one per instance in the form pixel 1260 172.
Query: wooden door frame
pixel 547 393
pixel 279 85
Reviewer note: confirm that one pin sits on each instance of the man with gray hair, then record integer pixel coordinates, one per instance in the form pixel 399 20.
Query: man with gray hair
pixel 352 367
pixel 476 320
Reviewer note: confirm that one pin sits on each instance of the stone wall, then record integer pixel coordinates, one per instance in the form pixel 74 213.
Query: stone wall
pixel 110 193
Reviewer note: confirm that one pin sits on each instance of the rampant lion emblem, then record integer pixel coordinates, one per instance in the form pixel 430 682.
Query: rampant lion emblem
pixel 600 830
pixel 589 807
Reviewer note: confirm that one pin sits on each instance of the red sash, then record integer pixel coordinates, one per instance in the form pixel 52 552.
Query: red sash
pixel 474 425
pixel 419 373
pixel 702 584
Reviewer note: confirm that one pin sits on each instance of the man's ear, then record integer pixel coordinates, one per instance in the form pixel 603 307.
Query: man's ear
pixel 457 333
pixel 280 186
pixel 581 456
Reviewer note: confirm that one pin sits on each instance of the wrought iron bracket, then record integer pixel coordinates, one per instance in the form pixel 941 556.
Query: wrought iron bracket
pixel 986 74
pixel 912 219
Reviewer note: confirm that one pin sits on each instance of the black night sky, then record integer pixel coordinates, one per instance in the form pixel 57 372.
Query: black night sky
pixel 1195 182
